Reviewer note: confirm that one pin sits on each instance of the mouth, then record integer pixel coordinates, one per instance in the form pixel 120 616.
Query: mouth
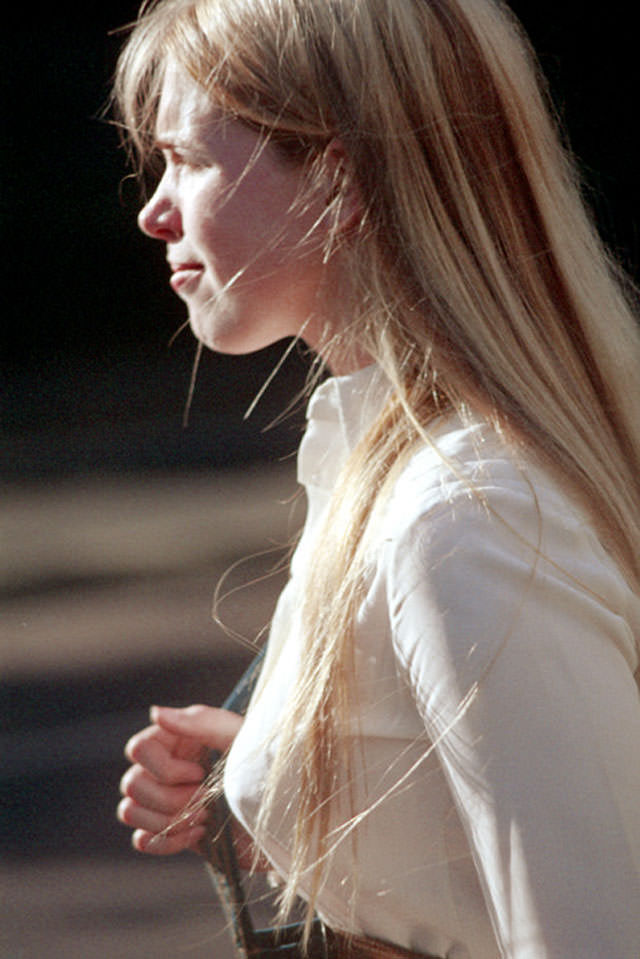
pixel 183 274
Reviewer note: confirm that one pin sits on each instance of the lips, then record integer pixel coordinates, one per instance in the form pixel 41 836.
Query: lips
pixel 184 274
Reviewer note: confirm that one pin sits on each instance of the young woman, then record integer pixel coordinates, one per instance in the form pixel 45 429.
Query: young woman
pixel 443 748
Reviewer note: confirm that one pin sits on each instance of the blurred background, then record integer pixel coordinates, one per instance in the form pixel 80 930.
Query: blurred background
pixel 117 520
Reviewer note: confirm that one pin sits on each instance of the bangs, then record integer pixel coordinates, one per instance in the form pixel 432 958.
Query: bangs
pixel 234 56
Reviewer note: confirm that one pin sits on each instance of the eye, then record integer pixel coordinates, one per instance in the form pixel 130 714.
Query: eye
pixel 171 156
pixel 181 158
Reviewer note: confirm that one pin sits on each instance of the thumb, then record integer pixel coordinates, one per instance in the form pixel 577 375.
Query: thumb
pixel 212 727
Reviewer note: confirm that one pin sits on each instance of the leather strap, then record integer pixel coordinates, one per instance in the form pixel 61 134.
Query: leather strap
pixel 363 947
pixel 218 848
pixel 324 943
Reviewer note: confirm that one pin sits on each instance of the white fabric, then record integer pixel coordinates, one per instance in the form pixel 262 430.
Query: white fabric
pixel 518 834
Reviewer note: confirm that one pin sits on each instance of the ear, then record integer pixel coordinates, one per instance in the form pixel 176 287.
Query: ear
pixel 342 191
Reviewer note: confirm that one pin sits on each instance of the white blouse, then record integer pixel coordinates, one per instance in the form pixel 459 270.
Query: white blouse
pixel 499 755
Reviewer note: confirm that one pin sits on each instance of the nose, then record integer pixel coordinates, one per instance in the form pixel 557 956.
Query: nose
pixel 160 217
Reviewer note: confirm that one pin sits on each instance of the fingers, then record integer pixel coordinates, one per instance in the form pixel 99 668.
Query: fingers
pixel 154 749
pixel 166 773
pixel 153 809
pixel 213 728
pixel 172 747
pixel 145 790
pixel 167 844
pixel 138 817
pixel 143 817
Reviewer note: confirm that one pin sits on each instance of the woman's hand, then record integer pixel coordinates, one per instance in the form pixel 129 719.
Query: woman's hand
pixel 167 770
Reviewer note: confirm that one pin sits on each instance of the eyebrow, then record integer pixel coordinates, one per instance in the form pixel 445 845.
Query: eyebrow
pixel 170 143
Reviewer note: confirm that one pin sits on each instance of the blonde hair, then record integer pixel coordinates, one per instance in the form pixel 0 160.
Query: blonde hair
pixel 479 280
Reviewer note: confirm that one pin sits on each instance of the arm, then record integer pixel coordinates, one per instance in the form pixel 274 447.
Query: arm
pixel 543 761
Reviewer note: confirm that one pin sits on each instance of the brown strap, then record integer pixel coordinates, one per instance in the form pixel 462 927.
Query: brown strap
pixel 325 944
pixel 342 946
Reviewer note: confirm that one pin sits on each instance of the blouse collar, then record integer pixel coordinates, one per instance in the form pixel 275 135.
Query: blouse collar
pixel 339 412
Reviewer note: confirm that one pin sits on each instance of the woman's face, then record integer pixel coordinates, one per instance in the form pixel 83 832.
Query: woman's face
pixel 245 259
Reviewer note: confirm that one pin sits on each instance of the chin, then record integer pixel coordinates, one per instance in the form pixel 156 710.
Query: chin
pixel 216 327
pixel 230 336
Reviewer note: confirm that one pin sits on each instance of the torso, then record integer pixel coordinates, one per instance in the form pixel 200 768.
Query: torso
pixel 481 662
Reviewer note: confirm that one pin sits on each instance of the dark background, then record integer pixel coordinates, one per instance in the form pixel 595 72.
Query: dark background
pixel 94 387
pixel 91 381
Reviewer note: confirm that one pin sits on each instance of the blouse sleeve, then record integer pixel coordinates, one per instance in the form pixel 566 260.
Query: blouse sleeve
pixel 507 623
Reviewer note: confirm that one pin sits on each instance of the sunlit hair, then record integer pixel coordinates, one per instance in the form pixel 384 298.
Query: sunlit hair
pixel 479 282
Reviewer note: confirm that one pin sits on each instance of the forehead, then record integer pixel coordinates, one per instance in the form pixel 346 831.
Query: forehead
pixel 185 112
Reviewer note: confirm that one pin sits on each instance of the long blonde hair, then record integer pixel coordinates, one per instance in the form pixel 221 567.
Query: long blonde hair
pixel 479 281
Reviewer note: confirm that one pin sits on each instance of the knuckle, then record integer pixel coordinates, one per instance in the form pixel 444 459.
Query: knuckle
pixel 129 781
pixel 166 843
pixel 124 810
pixel 198 710
pixel 135 744
pixel 125 782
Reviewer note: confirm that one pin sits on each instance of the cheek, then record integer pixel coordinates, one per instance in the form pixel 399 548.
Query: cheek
pixel 241 236
pixel 252 226
pixel 226 243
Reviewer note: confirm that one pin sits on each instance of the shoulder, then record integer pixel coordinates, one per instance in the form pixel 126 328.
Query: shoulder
pixel 481 547
pixel 465 481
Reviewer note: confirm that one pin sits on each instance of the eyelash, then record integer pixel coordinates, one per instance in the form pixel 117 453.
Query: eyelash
pixel 178 159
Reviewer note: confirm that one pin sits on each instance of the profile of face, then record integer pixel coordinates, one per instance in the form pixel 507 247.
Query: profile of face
pixel 245 256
